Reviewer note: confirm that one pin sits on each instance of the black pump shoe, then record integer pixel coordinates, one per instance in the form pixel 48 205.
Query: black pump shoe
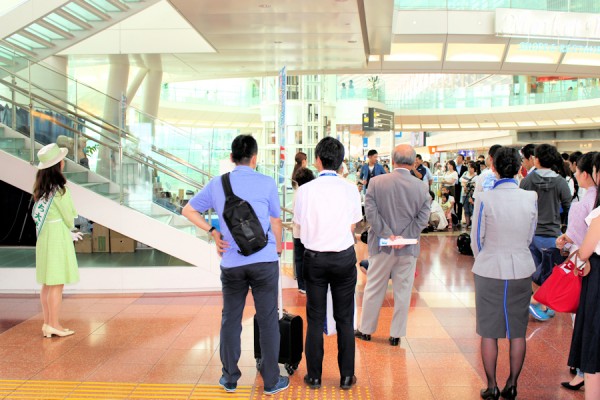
pixel 490 393
pixel 567 385
pixel 509 392
pixel 362 336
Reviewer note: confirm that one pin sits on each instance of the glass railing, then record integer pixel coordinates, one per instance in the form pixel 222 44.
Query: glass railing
pixel 376 94
pixel 99 163
pixel 210 97
pixel 501 95
pixel 582 6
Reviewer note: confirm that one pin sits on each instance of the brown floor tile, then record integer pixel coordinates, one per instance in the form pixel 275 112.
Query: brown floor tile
pixel 173 338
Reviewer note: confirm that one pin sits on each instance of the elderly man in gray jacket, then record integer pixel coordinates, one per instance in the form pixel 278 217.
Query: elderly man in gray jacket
pixel 397 206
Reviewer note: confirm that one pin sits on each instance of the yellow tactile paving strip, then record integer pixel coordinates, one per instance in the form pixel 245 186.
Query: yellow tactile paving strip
pixel 57 390
pixel 303 392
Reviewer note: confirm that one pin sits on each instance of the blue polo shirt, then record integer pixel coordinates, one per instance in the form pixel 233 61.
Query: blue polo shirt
pixel 257 189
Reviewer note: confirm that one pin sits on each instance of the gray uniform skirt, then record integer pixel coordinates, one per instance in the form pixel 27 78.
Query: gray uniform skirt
pixel 502 307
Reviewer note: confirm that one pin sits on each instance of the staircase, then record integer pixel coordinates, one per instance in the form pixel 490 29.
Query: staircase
pixel 36 30
pixel 130 208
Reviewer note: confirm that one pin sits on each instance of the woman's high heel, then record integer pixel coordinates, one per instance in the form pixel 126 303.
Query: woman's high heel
pixel 490 393
pixel 567 385
pixel 44 329
pixel 509 392
pixel 53 331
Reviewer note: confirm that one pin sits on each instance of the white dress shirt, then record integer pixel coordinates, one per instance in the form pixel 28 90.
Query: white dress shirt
pixel 325 209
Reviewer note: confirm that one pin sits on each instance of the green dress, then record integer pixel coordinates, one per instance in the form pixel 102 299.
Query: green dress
pixel 55 261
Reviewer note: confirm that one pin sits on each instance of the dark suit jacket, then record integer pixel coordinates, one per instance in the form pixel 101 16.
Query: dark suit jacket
pixel 397 204
pixel 461 170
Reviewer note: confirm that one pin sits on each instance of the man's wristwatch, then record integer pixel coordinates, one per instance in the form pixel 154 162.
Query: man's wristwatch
pixel 212 228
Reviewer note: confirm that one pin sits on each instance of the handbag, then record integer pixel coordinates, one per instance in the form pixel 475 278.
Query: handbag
pixel 551 257
pixel 562 289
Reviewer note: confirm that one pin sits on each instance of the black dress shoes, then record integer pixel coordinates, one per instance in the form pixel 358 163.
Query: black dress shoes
pixel 491 393
pixel 509 392
pixel 394 341
pixel 347 381
pixel 313 383
pixel 362 336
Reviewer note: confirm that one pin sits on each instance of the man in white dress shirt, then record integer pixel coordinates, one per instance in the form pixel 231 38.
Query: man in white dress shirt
pixel 327 210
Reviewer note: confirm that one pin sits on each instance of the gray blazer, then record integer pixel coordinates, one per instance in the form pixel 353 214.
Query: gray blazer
pixel 396 204
pixel 504 221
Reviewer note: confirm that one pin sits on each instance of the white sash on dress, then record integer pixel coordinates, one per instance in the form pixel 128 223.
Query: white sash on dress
pixel 40 212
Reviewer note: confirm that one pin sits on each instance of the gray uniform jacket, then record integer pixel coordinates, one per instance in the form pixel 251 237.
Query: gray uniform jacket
pixel 504 221
pixel 396 204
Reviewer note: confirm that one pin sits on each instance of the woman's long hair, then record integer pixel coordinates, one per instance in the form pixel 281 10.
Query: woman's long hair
pixel 47 181
pixel 597 168
pixel 300 156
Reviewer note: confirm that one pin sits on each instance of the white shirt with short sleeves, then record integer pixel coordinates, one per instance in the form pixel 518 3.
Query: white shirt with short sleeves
pixel 588 220
pixel 325 209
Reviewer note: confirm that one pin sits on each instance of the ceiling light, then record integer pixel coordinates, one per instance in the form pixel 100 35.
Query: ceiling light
pixel 449 126
pixel 564 122
pixel 583 120
pixel 526 123
pixel 547 122
pixel 374 57
pixel 469 125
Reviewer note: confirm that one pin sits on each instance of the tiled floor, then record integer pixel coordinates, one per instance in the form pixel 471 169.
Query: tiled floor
pixel 138 341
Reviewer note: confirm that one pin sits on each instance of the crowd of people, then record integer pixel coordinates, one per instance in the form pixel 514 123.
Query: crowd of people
pixel 519 203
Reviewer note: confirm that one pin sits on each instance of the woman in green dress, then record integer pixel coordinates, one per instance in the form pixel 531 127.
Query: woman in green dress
pixel 54 215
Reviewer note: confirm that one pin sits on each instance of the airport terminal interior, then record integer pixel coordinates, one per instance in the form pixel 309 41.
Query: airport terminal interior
pixel 147 96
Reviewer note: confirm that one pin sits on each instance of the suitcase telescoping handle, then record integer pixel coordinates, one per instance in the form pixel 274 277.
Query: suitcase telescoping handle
pixel 280 293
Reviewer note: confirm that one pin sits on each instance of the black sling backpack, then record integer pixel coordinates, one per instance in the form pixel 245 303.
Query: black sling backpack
pixel 242 221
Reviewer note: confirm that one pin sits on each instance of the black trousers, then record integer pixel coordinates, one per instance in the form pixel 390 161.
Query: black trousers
pixel 299 263
pixel 263 278
pixel 458 207
pixel 338 270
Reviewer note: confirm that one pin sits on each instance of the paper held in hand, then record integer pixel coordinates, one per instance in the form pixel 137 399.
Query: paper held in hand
pixel 398 241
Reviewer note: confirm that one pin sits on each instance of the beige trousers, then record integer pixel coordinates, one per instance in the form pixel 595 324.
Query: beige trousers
pixel 382 266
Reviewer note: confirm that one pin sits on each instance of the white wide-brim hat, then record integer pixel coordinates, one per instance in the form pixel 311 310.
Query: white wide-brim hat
pixel 50 155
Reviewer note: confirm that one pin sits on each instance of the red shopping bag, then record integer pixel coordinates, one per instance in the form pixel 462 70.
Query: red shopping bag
pixel 561 290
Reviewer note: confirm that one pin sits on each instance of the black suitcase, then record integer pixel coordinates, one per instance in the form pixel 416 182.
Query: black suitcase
pixel 291 345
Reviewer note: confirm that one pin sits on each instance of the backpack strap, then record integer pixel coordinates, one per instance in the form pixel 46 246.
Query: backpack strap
pixel 227 186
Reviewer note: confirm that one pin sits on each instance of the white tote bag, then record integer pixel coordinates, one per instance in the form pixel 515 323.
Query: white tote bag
pixel 330 329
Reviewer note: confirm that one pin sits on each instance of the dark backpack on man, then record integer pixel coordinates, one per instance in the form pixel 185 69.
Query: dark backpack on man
pixel 242 221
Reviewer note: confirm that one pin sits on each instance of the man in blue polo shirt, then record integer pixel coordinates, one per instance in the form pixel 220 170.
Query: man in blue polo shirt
pixel 259 271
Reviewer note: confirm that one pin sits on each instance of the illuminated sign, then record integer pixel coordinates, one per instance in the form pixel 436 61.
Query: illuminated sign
pixel 539 24
pixel 562 48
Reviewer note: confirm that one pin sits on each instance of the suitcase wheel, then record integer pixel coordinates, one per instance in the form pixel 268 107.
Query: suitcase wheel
pixel 258 363
pixel 291 369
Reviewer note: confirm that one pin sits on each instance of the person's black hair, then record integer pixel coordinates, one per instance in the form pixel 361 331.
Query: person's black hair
pixel 585 163
pixel 565 156
pixel 446 195
pixel 371 153
pixel 432 195
pixel 419 157
pixel 548 157
pixel 243 148
pixel 528 150
pixel 451 162
pixel 493 150
pixel 507 162
pixel 481 156
pixel 460 155
pixel 575 156
pixel 596 163
pixel 475 166
pixel 48 180
pixel 303 175
pixel 331 153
